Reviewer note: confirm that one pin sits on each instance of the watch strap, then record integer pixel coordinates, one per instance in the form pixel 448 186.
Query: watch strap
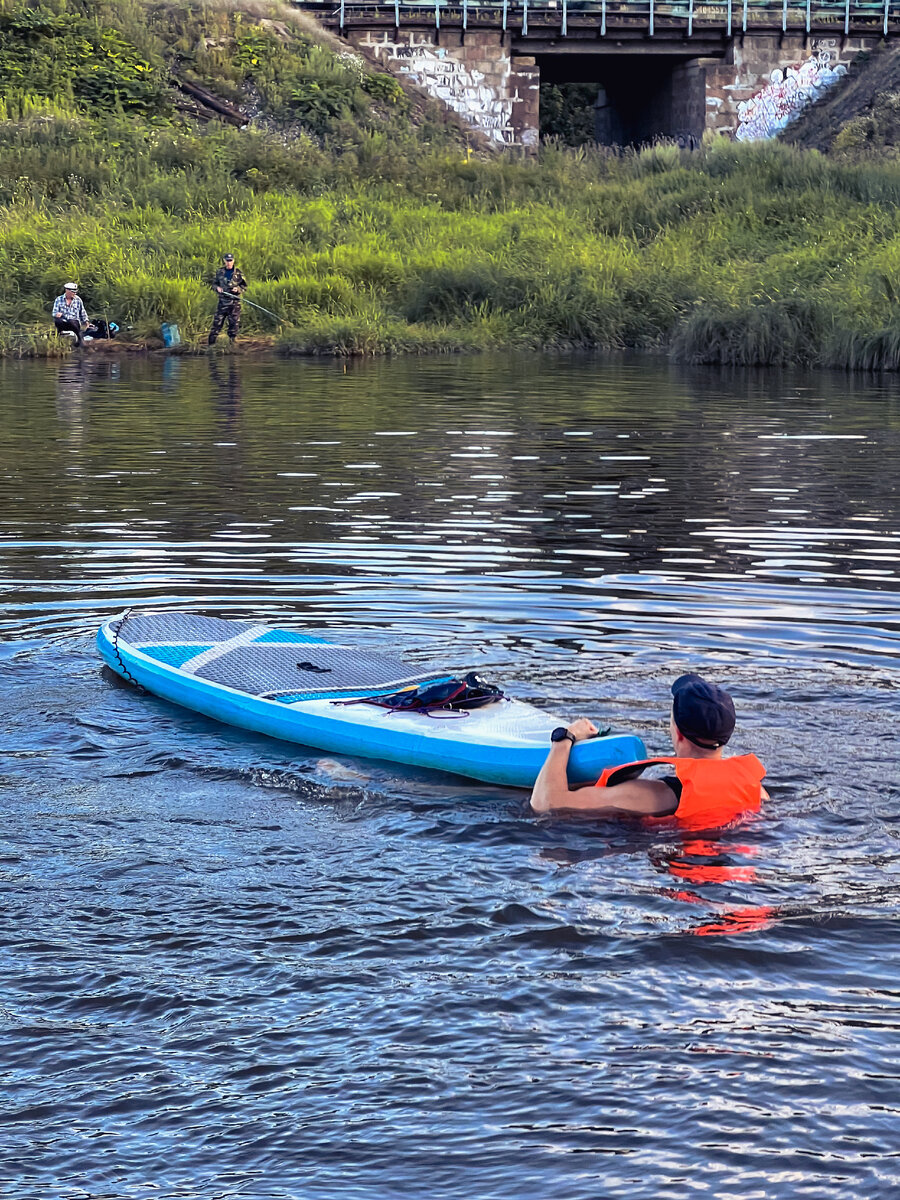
pixel 561 734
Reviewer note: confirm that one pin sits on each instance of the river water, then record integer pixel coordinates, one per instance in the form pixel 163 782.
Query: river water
pixel 235 968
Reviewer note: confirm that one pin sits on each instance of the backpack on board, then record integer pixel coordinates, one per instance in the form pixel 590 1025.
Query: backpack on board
pixel 442 698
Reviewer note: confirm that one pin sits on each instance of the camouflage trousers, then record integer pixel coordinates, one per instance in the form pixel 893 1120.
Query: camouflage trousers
pixel 229 310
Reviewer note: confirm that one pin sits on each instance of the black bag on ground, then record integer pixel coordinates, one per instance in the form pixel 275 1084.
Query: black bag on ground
pixel 102 329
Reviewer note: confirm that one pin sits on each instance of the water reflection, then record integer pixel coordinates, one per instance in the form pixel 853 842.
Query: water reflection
pixel 225 381
pixel 71 380
pixel 700 863
pixel 170 372
pixel 712 870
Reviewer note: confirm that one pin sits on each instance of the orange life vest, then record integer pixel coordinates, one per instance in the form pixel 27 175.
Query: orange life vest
pixel 714 791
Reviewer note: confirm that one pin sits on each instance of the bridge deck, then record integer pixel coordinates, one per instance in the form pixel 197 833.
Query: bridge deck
pixel 638 21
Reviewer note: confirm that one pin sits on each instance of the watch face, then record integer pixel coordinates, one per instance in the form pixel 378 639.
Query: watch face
pixel 559 733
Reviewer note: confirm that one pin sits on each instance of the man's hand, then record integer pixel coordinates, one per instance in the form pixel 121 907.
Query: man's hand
pixel 582 728
pixel 551 788
pixel 218 289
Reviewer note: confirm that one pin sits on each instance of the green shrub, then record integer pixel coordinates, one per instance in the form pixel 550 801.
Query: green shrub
pixel 365 337
pixel 448 292
pixel 787 333
pixel 567 112
pixel 384 87
pixel 31 341
pixel 68 55
pixel 865 350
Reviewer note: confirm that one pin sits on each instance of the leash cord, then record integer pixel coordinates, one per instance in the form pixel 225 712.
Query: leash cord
pixel 131 679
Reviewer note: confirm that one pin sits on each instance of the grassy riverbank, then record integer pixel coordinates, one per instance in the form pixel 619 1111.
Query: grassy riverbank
pixel 367 224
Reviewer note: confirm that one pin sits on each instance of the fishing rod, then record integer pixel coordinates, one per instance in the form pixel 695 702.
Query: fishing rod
pixel 253 304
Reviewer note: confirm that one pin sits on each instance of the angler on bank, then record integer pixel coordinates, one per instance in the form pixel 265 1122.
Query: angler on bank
pixel 230 284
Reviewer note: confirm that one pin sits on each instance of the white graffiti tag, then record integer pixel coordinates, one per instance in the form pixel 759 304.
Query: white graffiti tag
pixel 784 98
pixel 464 89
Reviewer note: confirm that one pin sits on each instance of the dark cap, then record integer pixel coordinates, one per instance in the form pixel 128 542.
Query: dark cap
pixel 225 257
pixel 703 712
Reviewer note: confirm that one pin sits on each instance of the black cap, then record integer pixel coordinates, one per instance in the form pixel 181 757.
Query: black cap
pixel 225 257
pixel 703 712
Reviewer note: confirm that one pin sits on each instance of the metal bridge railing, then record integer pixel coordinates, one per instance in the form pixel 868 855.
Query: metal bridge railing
pixel 727 16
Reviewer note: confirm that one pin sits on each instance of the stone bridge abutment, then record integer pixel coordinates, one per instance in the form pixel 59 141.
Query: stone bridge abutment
pixel 474 73
pixel 664 80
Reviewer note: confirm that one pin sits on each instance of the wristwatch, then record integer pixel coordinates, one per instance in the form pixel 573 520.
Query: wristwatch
pixel 560 733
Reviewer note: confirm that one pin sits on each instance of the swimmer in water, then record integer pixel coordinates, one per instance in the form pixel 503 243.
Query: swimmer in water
pixel 704 789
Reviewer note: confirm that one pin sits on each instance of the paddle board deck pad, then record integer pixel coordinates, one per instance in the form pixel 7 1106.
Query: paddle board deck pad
pixel 285 683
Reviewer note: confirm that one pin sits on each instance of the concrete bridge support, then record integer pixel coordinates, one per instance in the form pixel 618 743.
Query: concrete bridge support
pixel 752 89
pixel 473 73
pixel 769 78
pixel 754 85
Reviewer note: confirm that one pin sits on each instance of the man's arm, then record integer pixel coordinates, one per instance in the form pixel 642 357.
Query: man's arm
pixel 636 798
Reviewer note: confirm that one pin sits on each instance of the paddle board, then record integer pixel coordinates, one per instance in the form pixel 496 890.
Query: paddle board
pixel 289 685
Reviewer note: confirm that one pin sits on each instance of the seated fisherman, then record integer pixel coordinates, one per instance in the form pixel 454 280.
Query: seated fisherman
pixel 69 313
pixel 704 789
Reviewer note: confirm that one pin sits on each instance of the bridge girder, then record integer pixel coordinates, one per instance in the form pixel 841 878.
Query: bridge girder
pixel 697 47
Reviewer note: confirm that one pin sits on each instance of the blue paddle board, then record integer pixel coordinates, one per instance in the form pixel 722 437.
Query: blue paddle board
pixel 286 684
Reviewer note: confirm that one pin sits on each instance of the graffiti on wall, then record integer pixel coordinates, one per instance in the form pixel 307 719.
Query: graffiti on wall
pixel 463 88
pixel 783 99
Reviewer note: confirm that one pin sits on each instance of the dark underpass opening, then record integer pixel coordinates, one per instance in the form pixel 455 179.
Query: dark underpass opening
pixel 621 100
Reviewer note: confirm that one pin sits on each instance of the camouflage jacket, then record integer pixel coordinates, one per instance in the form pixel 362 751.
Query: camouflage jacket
pixel 232 291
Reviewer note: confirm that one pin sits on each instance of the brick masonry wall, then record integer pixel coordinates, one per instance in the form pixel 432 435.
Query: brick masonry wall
pixel 770 79
pixel 473 74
